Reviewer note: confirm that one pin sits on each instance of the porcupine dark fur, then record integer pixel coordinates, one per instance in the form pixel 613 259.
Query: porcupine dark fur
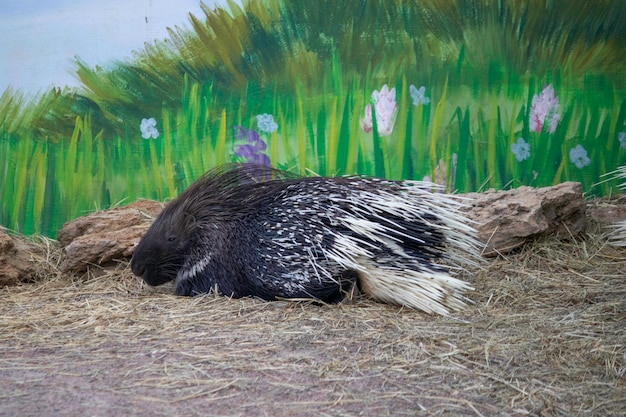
pixel 247 230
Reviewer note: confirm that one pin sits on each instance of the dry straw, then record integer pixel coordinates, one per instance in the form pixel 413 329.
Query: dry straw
pixel 546 335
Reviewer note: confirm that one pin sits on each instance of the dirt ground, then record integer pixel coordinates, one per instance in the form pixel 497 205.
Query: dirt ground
pixel 545 336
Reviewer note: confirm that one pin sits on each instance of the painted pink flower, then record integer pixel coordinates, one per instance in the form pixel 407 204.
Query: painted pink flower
pixel 366 122
pixel 545 108
pixel 385 106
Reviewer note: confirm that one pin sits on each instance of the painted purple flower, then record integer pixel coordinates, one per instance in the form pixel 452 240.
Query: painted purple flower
pixel 249 154
pixel 621 137
pixel 250 136
pixel 385 106
pixel 418 95
pixel 578 156
pixel 148 128
pixel 544 108
pixel 252 150
pixel 266 123
pixel 521 149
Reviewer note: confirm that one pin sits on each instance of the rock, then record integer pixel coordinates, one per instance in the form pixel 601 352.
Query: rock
pixel 105 236
pixel 607 212
pixel 16 264
pixel 508 219
pixel 611 216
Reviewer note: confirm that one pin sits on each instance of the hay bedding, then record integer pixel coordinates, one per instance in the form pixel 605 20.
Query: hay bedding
pixel 546 336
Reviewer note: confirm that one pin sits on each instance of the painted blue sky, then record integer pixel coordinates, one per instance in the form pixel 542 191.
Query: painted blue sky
pixel 40 38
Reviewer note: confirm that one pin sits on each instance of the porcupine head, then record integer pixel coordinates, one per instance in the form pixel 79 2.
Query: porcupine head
pixel 197 240
pixel 165 247
pixel 178 244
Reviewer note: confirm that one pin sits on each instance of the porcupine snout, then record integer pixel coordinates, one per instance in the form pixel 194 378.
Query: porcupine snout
pixel 137 268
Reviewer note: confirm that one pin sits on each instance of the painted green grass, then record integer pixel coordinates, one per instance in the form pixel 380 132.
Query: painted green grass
pixel 460 139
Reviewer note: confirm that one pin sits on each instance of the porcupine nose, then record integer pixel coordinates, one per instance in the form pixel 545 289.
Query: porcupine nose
pixel 138 269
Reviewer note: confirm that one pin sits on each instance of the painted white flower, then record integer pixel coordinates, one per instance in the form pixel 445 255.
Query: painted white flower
pixel 385 106
pixel 418 95
pixel 266 123
pixel 544 107
pixel 621 137
pixel 148 128
pixel 578 156
pixel 521 149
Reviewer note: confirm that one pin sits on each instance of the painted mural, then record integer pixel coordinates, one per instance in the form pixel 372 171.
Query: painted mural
pixel 471 95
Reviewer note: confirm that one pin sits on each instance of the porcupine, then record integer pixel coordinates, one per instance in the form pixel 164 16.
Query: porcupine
pixel 247 230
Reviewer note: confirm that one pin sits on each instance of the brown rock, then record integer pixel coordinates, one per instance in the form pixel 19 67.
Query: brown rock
pixel 507 219
pixel 607 212
pixel 105 236
pixel 16 264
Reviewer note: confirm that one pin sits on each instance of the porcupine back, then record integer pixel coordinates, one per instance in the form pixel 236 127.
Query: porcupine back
pixel 261 232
